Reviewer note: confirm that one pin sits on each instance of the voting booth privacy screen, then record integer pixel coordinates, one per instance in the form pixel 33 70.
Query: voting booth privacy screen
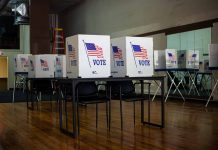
pixel 88 56
pixel 21 62
pixel 159 59
pixel 132 56
pixel 42 66
pixel 171 59
pixel 60 66
pixel 188 59
pixel 213 55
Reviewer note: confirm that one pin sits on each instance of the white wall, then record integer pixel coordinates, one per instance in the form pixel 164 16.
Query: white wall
pixel 24 49
pixel 132 17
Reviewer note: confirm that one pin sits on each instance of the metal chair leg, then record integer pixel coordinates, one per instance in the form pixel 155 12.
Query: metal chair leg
pixel 107 114
pixel 78 117
pixel 96 115
pixel 65 109
pixel 121 114
pixel 134 111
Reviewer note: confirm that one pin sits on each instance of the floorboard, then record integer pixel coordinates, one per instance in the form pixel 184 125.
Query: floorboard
pixel 188 126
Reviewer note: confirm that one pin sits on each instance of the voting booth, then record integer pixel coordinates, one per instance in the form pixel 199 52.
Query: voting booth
pixel 188 59
pixel 171 59
pixel 159 59
pixel 42 66
pixel 132 57
pixel 21 62
pixel 88 56
pixel 213 65
pixel 213 55
pixel 60 66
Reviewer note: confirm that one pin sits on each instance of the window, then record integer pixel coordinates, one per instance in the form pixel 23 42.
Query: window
pixel 9 33
pixel 191 40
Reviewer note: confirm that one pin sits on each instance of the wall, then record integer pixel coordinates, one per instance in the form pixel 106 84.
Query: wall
pixel 39 27
pixel 128 17
pixel 24 49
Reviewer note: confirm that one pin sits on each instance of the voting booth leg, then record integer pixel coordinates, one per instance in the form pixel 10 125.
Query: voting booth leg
pixel 158 88
pixel 182 79
pixel 192 84
pixel 173 83
pixel 203 83
pixel 214 88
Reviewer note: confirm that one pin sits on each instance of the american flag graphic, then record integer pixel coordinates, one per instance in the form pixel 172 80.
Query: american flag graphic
pixel 24 61
pixel 58 62
pixel 117 52
pixel 94 50
pixel 171 57
pixel 71 50
pixel 140 52
pixel 194 55
pixel 44 63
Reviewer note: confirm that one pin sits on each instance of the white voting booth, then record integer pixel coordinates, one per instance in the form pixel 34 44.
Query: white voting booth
pixel 188 59
pixel 88 56
pixel 171 59
pixel 60 66
pixel 21 62
pixel 42 66
pixel 213 55
pixel 213 65
pixel 159 59
pixel 132 57
pixel 165 59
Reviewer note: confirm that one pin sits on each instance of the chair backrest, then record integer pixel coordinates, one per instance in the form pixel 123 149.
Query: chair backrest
pixel 126 87
pixel 87 89
pixel 42 85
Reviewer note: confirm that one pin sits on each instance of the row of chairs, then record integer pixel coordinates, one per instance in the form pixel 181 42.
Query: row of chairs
pixel 91 93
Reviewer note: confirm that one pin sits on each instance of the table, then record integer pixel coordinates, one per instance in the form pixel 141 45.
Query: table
pixel 180 74
pixel 75 81
pixel 202 79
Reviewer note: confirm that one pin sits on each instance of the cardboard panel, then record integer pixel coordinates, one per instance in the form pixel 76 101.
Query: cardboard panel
pixel 21 62
pixel 88 56
pixel 137 57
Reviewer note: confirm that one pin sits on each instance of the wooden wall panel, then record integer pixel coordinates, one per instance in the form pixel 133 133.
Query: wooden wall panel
pixel 39 27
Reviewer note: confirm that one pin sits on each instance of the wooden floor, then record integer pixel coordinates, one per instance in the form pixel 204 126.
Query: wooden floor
pixel 188 126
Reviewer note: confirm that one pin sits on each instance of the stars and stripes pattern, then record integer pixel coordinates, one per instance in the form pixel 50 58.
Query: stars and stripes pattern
pixel 44 63
pixel 72 51
pixel 171 56
pixel 94 50
pixel 24 61
pixel 58 61
pixel 139 52
pixel 117 52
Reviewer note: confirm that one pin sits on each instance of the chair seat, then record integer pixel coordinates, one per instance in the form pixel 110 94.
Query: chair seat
pixel 94 101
